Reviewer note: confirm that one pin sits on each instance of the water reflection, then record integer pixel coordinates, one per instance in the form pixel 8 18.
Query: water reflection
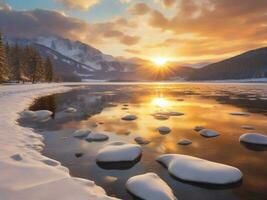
pixel 100 108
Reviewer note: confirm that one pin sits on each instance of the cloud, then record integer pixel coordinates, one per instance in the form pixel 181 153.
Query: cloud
pixel 139 9
pixel 83 4
pixel 167 3
pixel 79 4
pixel 31 24
pixel 5 6
pixel 213 27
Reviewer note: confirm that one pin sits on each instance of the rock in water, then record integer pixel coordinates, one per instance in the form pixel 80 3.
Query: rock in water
pixel 81 133
pixel 209 133
pixel 149 186
pixel 129 118
pixel 198 128
pixel 164 130
pixel 119 152
pixel 71 110
pixel 184 142
pixel 254 138
pixel 97 137
pixel 43 115
pixel 78 155
pixel 141 140
pixel 198 170
pixel 239 113
pixel 247 127
pixel 161 117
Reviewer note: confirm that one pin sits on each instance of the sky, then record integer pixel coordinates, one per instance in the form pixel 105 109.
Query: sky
pixel 185 31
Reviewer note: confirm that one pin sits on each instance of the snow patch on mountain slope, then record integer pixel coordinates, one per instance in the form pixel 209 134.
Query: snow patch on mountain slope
pixel 78 51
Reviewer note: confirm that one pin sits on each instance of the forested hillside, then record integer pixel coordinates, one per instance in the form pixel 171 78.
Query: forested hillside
pixel 251 64
pixel 23 63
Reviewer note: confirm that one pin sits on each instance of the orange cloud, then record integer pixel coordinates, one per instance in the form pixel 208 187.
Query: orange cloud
pixel 139 9
pixel 79 4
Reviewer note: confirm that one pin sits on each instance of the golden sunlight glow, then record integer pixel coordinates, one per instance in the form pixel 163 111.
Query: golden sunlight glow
pixel 161 102
pixel 160 61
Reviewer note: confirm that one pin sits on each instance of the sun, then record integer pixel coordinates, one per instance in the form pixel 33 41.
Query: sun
pixel 160 61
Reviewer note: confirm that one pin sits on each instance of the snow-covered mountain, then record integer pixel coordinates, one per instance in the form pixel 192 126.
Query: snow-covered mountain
pixel 74 60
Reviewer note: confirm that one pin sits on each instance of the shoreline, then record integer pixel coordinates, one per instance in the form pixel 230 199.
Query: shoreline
pixel 26 173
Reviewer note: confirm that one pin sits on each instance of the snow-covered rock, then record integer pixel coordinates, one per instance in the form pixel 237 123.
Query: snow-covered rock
pixel 81 133
pixel 97 137
pixel 184 141
pixel 28 114
pixel 71 110
pixel 129 117
pixel 198 170
pixel 119 152
pixel 254 138
pixel 42 115
pixel 141 140
pixel 164 130
pixel 209 133
pixel 149 186
pixel 39 115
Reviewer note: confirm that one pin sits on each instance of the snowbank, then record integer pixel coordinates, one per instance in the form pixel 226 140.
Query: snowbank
pixel 150 187
pixel 198 170
pixel 25 173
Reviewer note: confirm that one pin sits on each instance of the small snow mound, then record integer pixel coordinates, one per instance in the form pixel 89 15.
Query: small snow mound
pixel 40 115
pixel 43 115
pixel 81 133
pixel 164 130
pixel 149 186
pixel 71 110
pixel 254 138
pixel 198 170
pixel 184 142
pixel 141 140
pixel 28 114
pixel 209 133
pixel 97 137
pixel 119 153
pixel 129 118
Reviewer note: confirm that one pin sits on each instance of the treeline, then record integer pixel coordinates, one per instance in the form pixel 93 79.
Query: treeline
pixel 23 64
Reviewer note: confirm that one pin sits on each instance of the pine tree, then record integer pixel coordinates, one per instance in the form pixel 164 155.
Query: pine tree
pixel 16 64
pixel 49 75
pixel 33 65
pixel 4 71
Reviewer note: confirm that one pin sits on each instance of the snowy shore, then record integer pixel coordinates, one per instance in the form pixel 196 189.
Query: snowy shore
pixel 25 173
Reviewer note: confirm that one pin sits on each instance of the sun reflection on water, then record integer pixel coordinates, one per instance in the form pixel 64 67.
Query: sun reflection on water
pixel 161 102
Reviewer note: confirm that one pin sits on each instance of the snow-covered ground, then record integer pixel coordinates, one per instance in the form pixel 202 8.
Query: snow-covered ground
pixel 25 173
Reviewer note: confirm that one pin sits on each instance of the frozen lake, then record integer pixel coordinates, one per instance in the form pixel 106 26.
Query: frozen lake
pixel 101 107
